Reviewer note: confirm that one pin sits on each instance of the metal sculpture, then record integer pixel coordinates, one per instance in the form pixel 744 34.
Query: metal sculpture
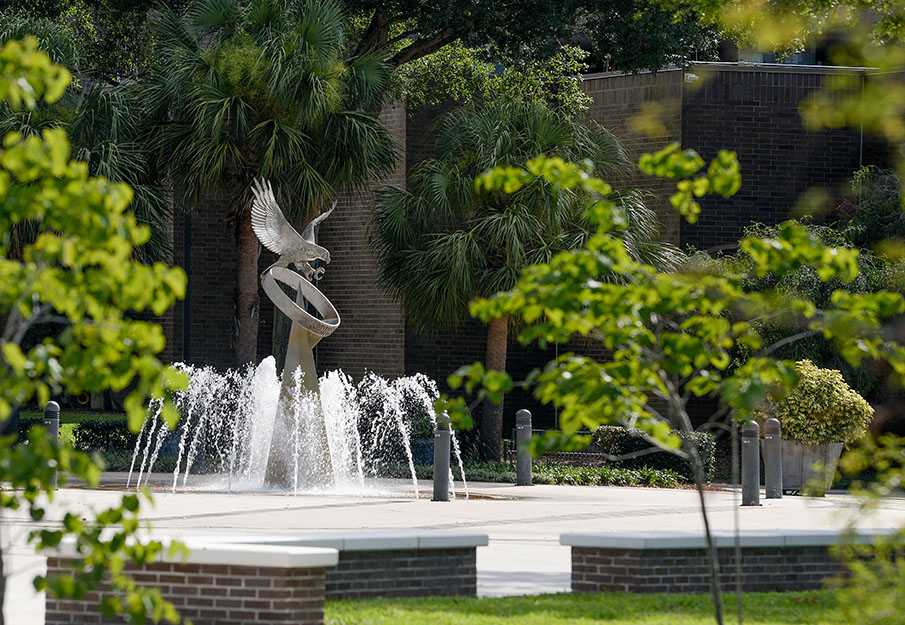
pixel 277 234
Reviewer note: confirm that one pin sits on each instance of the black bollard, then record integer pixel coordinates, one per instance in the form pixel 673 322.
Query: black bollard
pixel 51 423
pixel 751 464
pixel 441 458
pixel 523 455
pixel 773 459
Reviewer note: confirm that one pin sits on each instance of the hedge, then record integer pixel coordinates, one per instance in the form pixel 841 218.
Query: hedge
pixel 615 440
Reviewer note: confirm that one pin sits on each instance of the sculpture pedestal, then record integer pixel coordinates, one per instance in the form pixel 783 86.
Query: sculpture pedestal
pixel 313 452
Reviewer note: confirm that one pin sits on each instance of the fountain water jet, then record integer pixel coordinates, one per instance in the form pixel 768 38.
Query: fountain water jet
pixel 301 433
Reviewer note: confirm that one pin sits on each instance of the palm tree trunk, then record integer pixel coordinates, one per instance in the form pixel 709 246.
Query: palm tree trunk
pixel 492 417
pixel 247 251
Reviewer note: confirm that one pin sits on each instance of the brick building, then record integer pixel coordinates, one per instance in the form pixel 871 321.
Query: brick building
pixel 751 109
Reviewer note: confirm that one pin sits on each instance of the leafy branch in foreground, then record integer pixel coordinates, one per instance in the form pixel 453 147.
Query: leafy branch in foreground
pixel 671 336
pixel 78 287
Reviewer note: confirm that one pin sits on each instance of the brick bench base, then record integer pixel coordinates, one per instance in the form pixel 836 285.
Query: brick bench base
pixel 687 570
pixel 403 573
pixel 211 594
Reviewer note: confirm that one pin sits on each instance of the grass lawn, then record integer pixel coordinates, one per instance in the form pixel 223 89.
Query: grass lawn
pixel 811 608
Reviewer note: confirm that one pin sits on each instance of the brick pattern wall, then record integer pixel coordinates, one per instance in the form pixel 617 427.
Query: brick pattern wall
pixel 756 114
pixel 617 99
pixel 686 570
pixel 212 595
pixel 371 336
pixel 403 573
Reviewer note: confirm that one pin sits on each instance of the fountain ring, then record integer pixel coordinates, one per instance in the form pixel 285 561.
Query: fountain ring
pixel 320 327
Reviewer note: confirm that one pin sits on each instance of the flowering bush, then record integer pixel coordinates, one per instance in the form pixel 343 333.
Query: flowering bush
pixel 822 408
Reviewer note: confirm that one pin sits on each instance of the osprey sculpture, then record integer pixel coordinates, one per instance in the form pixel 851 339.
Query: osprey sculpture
pixel 277 234
pixel 299 372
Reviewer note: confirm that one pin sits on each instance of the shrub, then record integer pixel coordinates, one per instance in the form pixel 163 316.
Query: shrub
pixel 104 434
pixel 822 408
pixel 616 440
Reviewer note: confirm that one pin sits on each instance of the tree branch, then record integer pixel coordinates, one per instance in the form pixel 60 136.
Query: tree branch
pixel 421 48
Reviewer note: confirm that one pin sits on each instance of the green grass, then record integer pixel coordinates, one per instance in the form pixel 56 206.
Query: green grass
pixel 811 608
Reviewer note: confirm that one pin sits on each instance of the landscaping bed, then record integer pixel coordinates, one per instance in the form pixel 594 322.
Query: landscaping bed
pixel 550 473
pixel 812 608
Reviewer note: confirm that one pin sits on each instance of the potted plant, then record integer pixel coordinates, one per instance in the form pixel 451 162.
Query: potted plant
pixel 819 417
pixel 421 433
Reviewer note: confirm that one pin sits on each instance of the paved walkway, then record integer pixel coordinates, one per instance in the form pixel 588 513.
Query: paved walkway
pixel 523 523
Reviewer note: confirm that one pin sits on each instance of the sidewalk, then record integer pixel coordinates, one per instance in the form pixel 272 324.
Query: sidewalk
pixel 523 523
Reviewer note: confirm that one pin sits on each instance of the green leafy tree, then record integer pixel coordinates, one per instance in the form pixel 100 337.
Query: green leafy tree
pixel 262 89
pixel 671 335
pixel 441 242
pixel 104 126
pixel 80 277
pixel 628 35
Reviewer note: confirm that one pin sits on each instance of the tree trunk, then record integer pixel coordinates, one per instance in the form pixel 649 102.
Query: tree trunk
pixel 247 309
pixel 492 416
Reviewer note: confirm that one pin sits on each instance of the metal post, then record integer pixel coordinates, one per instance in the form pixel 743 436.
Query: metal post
pixel 773 459
pixel 751 464
pixel 522 455
pixel 441 458
pixel 51 423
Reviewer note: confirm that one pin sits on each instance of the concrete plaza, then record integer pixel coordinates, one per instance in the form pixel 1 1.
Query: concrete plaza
pixel 523 523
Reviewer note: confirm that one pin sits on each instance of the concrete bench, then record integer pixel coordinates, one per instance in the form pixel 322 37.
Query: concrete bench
pixel 676 561
pixel 218 584
pixel 269 579
pixel 392 563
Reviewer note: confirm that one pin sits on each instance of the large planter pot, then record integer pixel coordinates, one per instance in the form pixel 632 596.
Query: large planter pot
pixel 798 460
pixel 423 451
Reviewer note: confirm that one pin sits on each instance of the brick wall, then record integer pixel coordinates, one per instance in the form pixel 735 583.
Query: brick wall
pixel 686 570
pixel 755 112
pixel 403 573
pixel 617 100
pixel 212 594
pixel 371 336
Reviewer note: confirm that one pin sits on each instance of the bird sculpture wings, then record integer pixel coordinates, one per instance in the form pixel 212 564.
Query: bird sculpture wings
pixel 277 234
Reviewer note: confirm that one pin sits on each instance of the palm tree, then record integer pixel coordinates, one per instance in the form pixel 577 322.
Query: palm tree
pixel 260 88
pixel 104 125
pixel 440 243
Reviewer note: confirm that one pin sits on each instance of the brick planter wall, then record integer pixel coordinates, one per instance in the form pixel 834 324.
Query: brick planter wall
pixel 403 573
pixel 686 570
pixel 677 561
pixel 212 594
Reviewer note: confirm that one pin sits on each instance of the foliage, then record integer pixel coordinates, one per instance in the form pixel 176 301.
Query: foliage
pixel 112 35
pixel 105 130
pixel 629 35
pixel 79 275
pixel 550 473
pixel 441 241
pixel 876 213
pixel 106 434
pixel 620 441
pixel 611 608
pixel 266 93
pixel 670 336
pixel 459 73
pixel 821 408
pixel 263 90
pixel 876 585
pixel 790 332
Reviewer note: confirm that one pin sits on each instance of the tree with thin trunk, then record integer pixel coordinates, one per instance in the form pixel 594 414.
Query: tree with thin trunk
pixel 261 89
pixel 441 242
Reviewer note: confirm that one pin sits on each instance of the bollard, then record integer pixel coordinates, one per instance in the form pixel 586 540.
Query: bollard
pixel 751 464
pixel 772 459
pixel 441 458
pixel 51 423
pixel 523 455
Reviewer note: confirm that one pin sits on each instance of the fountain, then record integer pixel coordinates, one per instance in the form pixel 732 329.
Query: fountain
pixel 253 431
